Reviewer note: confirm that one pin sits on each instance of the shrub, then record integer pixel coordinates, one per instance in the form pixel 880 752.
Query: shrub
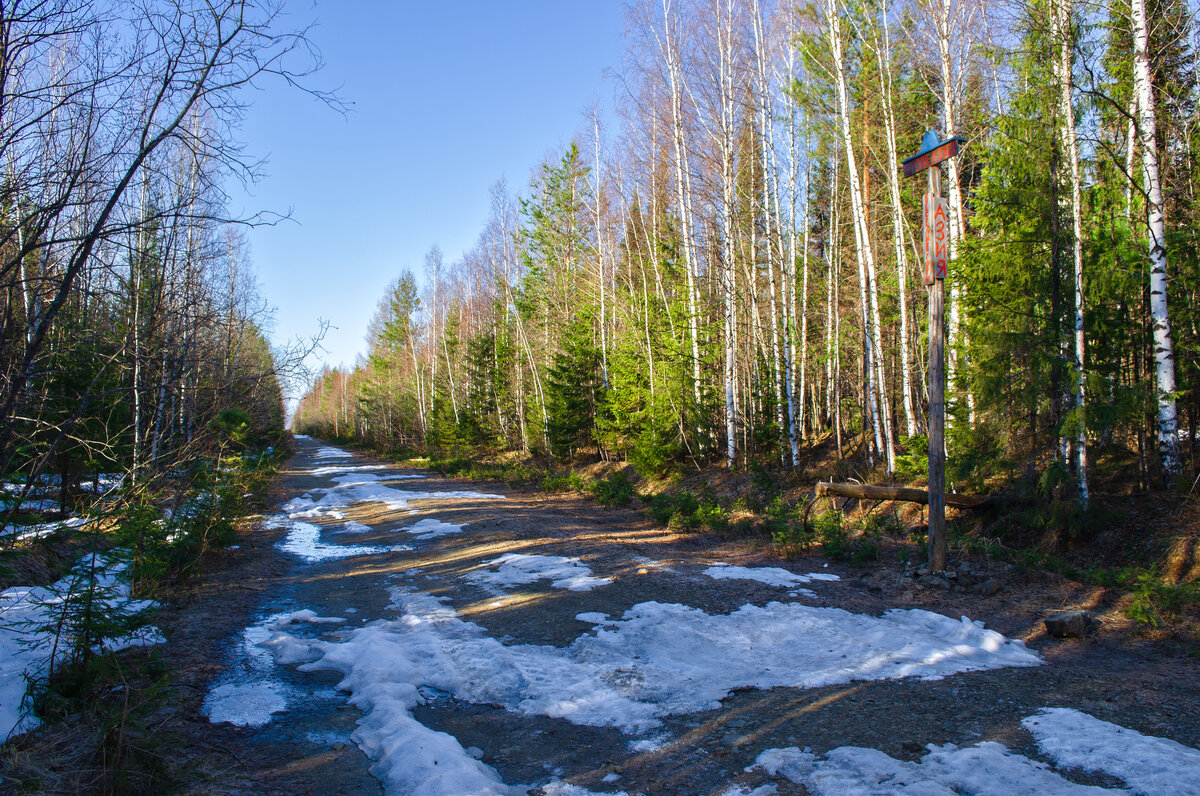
pixel 563 483
pixel 616 490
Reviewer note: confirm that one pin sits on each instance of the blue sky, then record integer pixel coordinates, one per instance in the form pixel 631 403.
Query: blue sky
pixel 446 97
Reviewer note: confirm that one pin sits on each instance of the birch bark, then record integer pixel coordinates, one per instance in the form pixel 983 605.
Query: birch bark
pixel 1164 349
pixel 861 235
pixel 1062 30
pixel 885 79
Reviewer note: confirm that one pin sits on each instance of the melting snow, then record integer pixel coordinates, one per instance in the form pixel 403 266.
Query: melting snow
pixel 304 541
pixel 659 659
pixel 772 576
pixel 345 495
pixel 330 452
pixel 431 529
pixel 25 649
pixel 335 469
pixel 24 532
pixel 518 569
pixel 1145 763
pixel 248 694
pixel 353 527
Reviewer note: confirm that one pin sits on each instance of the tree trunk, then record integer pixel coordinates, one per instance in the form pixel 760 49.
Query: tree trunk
pixel 1164 349
pixel 1062 13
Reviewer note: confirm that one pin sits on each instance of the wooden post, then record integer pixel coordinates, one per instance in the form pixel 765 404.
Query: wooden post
pixel 937 409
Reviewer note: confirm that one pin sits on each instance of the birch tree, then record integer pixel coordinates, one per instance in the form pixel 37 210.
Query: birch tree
pixel 1164 349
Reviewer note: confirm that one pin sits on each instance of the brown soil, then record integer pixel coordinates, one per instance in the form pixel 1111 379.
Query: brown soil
pixel 1116 674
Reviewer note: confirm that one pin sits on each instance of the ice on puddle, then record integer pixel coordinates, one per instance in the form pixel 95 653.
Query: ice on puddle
pixel 772 576
pixel 304 541
pixel 518 569
pixel 567 789
pixel 431 529
pixel 247 694
pixel 761 790
pixel 1147 764
pixel 245 704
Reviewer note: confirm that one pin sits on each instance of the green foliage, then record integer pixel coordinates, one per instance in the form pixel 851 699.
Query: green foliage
pixel 571 482
pixel 1154 601
pixel 616 490
pixel 914 462
pixel 675 509
pixel 574 391
pixel 712 516
pixel 511 473
pixel 831 536
pixel 233 423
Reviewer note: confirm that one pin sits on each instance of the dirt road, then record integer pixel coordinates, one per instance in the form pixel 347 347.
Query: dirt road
pixel 393 626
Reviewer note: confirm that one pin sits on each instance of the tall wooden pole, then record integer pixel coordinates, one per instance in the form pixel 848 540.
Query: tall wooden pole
pixel 937 408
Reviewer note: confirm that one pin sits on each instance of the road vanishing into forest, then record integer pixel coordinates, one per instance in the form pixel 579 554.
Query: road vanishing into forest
pixel 407 633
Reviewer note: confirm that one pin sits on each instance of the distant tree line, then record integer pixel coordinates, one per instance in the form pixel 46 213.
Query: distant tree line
pixel 735 271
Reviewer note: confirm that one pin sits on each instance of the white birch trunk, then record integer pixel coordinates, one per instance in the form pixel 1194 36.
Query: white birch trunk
pixel 774 240
pixel 1164 349
pixel 861 237
pixel 897 224
pixel 1062 13
pixel 957 225
pixel 682 193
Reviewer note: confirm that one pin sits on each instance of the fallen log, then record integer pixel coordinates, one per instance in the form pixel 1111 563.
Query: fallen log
pixel 865 492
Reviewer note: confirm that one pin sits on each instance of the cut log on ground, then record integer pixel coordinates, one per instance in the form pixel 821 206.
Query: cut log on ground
pixel 865 492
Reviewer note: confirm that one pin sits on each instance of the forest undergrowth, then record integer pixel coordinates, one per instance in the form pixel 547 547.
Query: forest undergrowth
pixel 102 707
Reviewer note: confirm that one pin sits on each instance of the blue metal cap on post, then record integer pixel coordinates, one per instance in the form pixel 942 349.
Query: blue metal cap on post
pixel 933 151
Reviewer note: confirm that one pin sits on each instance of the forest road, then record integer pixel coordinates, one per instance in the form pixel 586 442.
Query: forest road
pixel 402 632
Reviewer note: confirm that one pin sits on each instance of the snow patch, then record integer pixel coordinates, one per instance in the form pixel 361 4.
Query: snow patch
pixel 518 569
pixel 986 768
pixel 304 541
pixel 332 469
pixel 659 659
pixel 305 615
pixel 431 529
pixel 343 496
pixel 1071 739
pixel 1147 764
pixel 26 532
pixel 25 648
pixel 772 576
pixel 353 527
pixel 330 452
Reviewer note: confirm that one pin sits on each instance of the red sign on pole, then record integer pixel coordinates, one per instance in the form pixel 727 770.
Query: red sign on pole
pixel 918 163
pixel 936 216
